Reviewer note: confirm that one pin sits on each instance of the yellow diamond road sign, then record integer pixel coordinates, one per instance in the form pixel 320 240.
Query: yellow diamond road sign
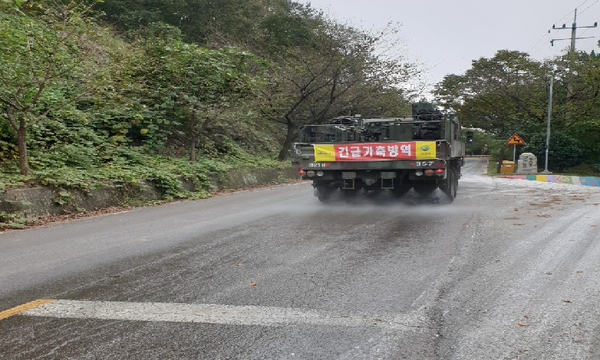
pixel 515 140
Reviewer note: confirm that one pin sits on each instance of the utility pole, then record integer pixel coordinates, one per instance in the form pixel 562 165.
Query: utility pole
pixel 547 150
pixel 573 37
pixel 572 54
pixel 572 49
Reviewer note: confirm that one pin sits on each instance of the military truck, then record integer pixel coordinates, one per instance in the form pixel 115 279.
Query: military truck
pixel 351 154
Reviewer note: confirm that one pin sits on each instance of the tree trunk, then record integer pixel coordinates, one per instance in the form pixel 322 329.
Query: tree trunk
pixel 193 137
pixel 22 145
pixel 289 138
pixel 193 148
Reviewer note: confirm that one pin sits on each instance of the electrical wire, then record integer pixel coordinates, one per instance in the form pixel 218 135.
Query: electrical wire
pixel 536 48
pixel 584 10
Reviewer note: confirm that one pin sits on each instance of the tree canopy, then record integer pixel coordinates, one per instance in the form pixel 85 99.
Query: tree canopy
pixel 509 94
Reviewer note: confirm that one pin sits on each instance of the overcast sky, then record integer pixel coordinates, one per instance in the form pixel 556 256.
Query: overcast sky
pixel 446 35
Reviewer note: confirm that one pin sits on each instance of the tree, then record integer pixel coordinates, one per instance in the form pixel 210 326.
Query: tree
pixel 320 68
pixel 323 69
pixel 502 95
pixel 577 81
pixel 197 85
pixel 43 67
pixel 214 23
pixel 564 152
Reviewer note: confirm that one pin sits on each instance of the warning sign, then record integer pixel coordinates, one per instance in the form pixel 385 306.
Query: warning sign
pixel 515 140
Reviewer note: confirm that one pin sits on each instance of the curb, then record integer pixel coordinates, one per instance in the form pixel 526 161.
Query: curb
pixel 559 179
pixel 43 201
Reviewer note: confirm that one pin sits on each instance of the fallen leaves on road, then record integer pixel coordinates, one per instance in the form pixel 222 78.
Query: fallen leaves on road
pixel 252 284
pixel 547 203
pixel 522 324
pixel 567 301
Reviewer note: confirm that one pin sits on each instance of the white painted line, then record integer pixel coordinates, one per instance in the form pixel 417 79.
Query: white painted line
pixel 215 314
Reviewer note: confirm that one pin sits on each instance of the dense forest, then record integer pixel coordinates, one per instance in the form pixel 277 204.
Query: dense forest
pixel 114 91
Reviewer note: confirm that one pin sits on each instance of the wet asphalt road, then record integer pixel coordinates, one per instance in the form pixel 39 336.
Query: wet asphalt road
pixel 510 270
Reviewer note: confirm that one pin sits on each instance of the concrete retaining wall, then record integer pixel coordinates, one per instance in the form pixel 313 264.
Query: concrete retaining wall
pixel 41 201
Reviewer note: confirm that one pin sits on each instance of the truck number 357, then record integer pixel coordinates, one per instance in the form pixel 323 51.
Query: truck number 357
pixel 424 163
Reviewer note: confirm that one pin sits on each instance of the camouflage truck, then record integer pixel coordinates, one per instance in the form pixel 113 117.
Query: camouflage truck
pixel 423 152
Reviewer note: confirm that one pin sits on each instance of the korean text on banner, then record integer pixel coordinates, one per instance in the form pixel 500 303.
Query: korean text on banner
pixel 376 151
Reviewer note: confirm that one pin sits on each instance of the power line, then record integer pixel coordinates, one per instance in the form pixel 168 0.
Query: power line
pixel 537 47
pixel 573 28
pixel 584 10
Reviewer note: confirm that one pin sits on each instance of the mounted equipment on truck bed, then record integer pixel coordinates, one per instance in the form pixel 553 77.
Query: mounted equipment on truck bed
pixel 423 152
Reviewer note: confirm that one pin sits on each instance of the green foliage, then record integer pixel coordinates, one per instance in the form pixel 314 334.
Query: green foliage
pixel 484 143
pixel 565 151
pixel 204 22
pixel 11 221
pixel 504 94
pixel 583 170
pixel 509 94
pixel 12 4
pixel 8 149
pixel 45 66
pixel 195 87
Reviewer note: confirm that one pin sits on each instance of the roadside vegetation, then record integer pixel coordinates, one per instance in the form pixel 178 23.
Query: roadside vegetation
pixel 103 92
pixel 508 94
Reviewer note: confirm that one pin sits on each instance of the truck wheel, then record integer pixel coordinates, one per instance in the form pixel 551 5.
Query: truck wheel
pixel 451 185
pixel 323 193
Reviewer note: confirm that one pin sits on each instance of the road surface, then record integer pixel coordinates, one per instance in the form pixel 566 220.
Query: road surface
pixel 510 270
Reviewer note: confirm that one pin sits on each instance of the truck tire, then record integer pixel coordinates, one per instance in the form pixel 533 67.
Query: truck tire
pixel 323 193
pixel 451 185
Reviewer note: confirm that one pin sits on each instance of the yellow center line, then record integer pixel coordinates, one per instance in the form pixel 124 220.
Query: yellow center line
pixel 19 309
